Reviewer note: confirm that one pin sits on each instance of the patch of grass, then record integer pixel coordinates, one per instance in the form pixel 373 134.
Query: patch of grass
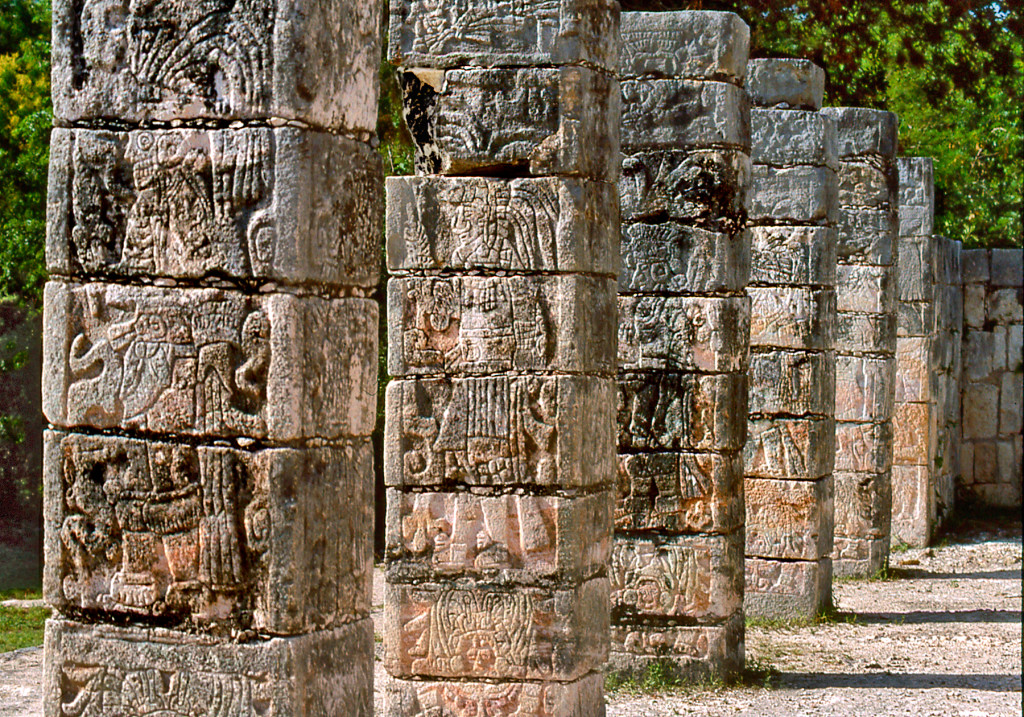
pixel 900 547
pixel 759 673
pixel 21 628
pixel 828 616
pixel 657 677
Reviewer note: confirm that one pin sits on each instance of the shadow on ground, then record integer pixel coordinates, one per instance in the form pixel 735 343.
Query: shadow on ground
pixel 895 680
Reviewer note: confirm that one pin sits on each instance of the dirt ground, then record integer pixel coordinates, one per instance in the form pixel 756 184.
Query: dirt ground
pixel 942 638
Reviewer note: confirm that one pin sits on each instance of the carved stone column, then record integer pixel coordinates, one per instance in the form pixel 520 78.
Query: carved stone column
pixel 866 278
pixel 210 359
pixel 499 437
pixel 790 435
pixel 684 322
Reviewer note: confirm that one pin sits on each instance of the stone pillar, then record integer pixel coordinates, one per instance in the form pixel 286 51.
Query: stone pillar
pixel 990 455
pixel 499 431
pixel 865 344
pixel 790 447
pixel 684 321
pixel 945 376
pixel 210 359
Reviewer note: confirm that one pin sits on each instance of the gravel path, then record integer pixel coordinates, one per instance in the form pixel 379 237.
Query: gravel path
pixel 942 639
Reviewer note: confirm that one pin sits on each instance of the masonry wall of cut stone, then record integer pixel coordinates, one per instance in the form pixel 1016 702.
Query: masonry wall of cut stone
pixel 865 341
pixel 210 359
pixel 790 447
pixel 500 428
pixel 677 561
pixel 927 356
pixel 990 455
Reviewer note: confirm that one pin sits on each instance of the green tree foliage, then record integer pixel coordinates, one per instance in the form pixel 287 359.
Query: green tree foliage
pixel 953 70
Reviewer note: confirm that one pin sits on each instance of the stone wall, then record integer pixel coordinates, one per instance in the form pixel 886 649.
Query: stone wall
pixel 677 562
pixel 990 457
pixel 790 447
pixel 866 278
pixel 499 438
pixel 210 359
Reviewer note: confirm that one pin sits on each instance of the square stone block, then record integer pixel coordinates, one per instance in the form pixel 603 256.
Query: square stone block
pixel 916 221
pixel 683 333
pixel 913 318
pixel 694 651
pixel 525 224
pixel 974 305
pixel 856 333
pixel 917 182
pixel 863 506
pixel 277 540
pixel 790 448
pixel 980 411
pixel 791 520
pixel 1007 267
pixel 860 557
pixel 785 83
pixel 787 590
pixel 863 447
pixel 504 33
pixel 914 369
pixel 1014 346
pixel 209 362
pixel 525 538
pixel 912 438
pixel 684 114
pixel 975 266
pixel 679 492
pixel 786 137
pixel 986 462
pixel 917 281
pixel 477 324
pixel 792 317
pixel 685 45
pixel 865 388
pixel 688 578
pixel 110 671
pixel 254 204
pixel 706 188
pixel 867 236
pixel 672 258
pixel 866 289
pixel 485 631
pixel 148 63
pixel 673 412
pixel 913 505
pixel 794 383
pixel 867 183
pixel 793 256
pixel 978 349
pixel 864 131
pixel 553 431
pixel 1003 306
pixel 793 195
pixel 1010 399
pixel 538 121
pixel 413 698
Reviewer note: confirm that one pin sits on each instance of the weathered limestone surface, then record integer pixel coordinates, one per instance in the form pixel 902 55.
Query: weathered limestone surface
pixel 993 333
pixel 789 454
pixel 224 61
pixel 499 447
pixel 684 326
pixel 867 298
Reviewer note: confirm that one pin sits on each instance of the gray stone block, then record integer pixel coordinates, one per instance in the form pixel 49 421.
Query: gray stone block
pixel 794 383
pixel 707 188
pixel 790 448
pixel 865 388
pixel 859 557
pixel 787 137
pixel 774 82
pixel 1003 306
pixel 500 431
pixel 208 362
pixel 685 45
pixel 677 114
pixel 205 537
pixel 915 367
pixel 693 578
pixel 866 289
pixel 696 650
pixel 789 520
pixel 530 224
pixel 674 258
pixel 787 590
pixel 863 131
pixel 257 204
pixel 793 256
pixel 793 195
pixel 917 280
pixel 1007 267
pixel 683 333
pixel 863 447
pixel 483 631
pixel 679 492
pixel 867 236
pixel 504 33
pixel 869 333
pixel 148 63
pixel 681 412
pixel 868 183
pixel 792 317
pixel 917 182
pixel 110 671
pixel 540 121
pixel 974 264
pixel 974 306
pixel 863 506
pixel 481 325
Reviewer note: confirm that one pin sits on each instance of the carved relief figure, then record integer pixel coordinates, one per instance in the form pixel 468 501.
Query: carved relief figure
pixel 442 27
pixel 667 580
